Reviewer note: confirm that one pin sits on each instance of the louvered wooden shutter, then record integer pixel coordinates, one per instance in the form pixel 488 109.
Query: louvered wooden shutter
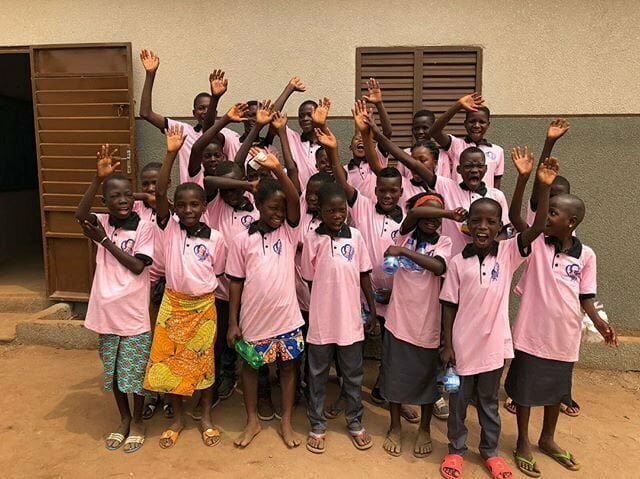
pixel 412 79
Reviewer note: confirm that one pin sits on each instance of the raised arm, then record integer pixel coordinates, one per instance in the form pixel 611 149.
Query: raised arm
pixel 272 164
pixel 279 123
pixel 264 115
pixel 218 88
pixel 321 113
pixel 175 139
pixel 375 97
pixel 424 212
pixel 523 161
pixel 104 168
pixel 556 130
pixel 468 102
pixel 214 183
pixel 546 173
pixel 360 116
pixel 294 85
pixel 326 139
pixel 151 62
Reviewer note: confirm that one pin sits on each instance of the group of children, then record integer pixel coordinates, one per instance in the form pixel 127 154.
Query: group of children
pixel 300 256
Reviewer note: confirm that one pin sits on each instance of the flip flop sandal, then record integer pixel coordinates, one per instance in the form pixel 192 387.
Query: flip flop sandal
pixel 333 411
pixel 137 441
pixel 565 408
pixel 114 436
pixel 195 413
pixel 172 436
pixel 409 415
pixel 498 467
pixel 441 409
pixel 168 411
pixel 358 434
pixel 563 458
pixel 452 461
pixel 392 453
pixel 522 463
pixel 318 437
pixel 149 411
pixel 422 455
pixel 211 433
pixel 510 406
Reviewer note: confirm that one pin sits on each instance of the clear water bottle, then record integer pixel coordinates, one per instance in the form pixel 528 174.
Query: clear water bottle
pixel 390 265
pixel 406 263
pixel 422 249
pixel 248 353
pixel 451 380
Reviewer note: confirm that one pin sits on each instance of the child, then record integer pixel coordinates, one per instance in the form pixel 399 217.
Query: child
pixel 335 255
pixel 477 339
pixel 262 296
pixel 118 305
pixel 476 122
pixel 410 361
pixel 182 352
pixel 558 283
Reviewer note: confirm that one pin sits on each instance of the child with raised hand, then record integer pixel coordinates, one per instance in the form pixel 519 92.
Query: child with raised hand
pixel 118 307
pixel 201 103
pixel 410 359
pixel 279 124
pixel 262 295
pixel 336 255
pixel 558 283
pixel 477 337
pixel 476 123
pixel 182 352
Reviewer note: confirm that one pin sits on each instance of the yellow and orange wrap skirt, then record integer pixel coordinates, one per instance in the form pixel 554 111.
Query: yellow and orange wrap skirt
pixel 181 358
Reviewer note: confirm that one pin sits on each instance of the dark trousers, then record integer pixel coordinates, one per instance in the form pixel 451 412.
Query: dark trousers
pixel 225 357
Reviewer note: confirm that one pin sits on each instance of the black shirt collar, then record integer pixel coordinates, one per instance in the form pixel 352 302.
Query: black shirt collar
pixel 354 163
pixel 481 190
pixel 421 237
pixel 198 127
pixel 483 141
pixel 470 250
pixel 256 227
pixel 419 184
pixel 128 223
pixel 395 214
pixel 203 231
pixel 575 250
pixel 247 206
pixel 306 137
pixel 345 231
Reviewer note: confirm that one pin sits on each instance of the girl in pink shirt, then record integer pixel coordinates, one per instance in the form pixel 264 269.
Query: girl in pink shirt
pixel 118 307
pixel 262 296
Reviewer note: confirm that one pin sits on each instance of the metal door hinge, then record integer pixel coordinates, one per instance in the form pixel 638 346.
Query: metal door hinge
pixel 128 157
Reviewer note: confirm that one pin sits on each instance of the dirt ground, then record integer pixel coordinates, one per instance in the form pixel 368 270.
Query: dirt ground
pixel 54 417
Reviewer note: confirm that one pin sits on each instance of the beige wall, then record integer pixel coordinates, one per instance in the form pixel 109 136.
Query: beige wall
pixel 540 57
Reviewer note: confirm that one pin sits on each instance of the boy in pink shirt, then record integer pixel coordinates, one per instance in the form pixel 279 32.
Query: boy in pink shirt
pixel 182 351
pixel 336 264
pixel 477 338
pixel 118 305
pixel 262 296
pixel 559 282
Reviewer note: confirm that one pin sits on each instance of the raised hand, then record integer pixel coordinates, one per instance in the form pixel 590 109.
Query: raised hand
pixel 321 112
pixel 523 160
pixel 218 83
pixel 105 165
pixel 297 84
pixel 548 170
pixel 557 129
pixel 175 138
pixel 265 112
pixel 271 163
pixel 375 94
pixel 93 232
pixel 326 139
pixel 279 120
pixel 471 102
pixel 370 122
pixel 238 112
pixel 459 215
pixel 150 61
pixel 360 115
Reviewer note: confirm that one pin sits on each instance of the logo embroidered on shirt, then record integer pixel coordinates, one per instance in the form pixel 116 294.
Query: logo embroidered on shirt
pixel 347 251
pixel 573 271
pixel 201 252
pixel 490 154
pixel 395 234
pixel 127 246
pixel 277 247
pixel 495 272
pixel 246 220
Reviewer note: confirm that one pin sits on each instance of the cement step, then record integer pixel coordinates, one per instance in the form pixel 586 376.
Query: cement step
pixel 10 321
pixel 23 303
pixel 65 333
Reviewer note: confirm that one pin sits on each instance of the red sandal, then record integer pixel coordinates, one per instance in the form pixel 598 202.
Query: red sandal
pixel 498 467
pixel 452 461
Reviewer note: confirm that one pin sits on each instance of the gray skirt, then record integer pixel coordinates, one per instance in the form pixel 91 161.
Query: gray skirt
pixel 533 381
pixel 409 372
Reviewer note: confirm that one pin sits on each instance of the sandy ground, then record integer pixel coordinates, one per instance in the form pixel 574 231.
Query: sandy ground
pixel 54 417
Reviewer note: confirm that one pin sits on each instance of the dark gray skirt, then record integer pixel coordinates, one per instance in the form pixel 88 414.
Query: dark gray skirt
pixel 409 372
pixel 533 381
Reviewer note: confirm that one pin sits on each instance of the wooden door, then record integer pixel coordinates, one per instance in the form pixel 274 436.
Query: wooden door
pixel 82 98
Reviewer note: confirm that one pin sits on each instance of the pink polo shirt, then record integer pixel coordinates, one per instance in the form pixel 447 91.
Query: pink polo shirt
pixel 192 134
pixel 443 168
pixel 379 231
pixel 334 265
pixel 193 263
pixel 119 299
pixel 409 189
pixel 455 196
pixel 230 222
pixel 304 154
pixel 549 320
pixel 481 331
pixel 414 312
pixel 156 270
pixel 308 222
pixel 265 261
pixel 494 156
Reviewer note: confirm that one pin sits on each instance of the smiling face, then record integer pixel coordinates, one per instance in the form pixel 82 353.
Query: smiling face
pixel 430 225
pixel 562 218
pixel 334 213
pixel 484 223
pixel 322 162
pixel 388 192
pixel 304 117
pixel 420 126
pixel 118 197
pixel 189 206
pixel 477 123
pixel 212 156
pixel 201 107
pixel 357 146
pixel 472 168
pixel 273 210
pixel 148 181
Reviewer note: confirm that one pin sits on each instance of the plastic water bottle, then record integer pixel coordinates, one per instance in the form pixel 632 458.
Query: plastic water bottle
pixel 390 265
pixel 248 353
pixel 406 263
pixel 422 249
pixel 451 380
pixel 364 313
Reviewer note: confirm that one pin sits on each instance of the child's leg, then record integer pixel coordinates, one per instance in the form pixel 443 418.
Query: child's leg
pixel 487 388
pixel 178 420
pixel 225 357
pixel 350 360
pixel 288 378
pixel 320 357
pixel 547 441
pixel 458 403
pixel 250 388
pixel 393 442
pixel 423 445
pixel 122 401
pixel 266 411
pixel 210 434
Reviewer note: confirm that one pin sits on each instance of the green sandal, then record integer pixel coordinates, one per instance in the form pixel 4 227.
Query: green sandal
pixel 564 459
pixel 522 464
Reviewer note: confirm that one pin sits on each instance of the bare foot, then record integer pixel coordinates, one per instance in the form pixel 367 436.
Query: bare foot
pixel 176 426
pixel 393 443
pixel 289 437
pixel 123 429
pixel 423 446
pixel 564 457
pixel 251 430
